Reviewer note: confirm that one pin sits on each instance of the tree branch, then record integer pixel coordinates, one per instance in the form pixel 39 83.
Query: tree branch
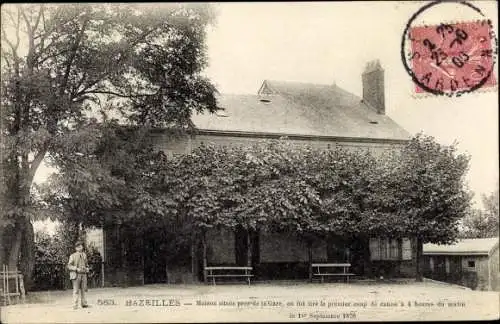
pixel 11 45
pixel 5 56
pixel 9 14
pixel 31 42
pixel 38 18
pixel 83 98
pixel 134 43
pixel 80 83
pixel 43 35
pixel 44 21
pixel 18 27
pixel 36 163
pixel 32 29
pixel 26 21
pixel 72 57
pixel 53 55
pixel 122 95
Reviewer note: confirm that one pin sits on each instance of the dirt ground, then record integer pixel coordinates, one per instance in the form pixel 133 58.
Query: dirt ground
pixel 369 301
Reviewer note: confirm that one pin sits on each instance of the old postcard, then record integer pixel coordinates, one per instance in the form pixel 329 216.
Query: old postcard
pixel 249 162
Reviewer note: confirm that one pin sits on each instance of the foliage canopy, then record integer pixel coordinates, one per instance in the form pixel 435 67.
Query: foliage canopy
pixel 483 223
pixel 418 190
pixel 65 63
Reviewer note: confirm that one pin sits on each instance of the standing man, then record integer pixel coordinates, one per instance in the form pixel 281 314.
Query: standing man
pixel 78 269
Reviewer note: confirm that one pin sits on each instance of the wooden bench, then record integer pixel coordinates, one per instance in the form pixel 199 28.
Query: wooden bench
pixel 328 270
pixel 228 272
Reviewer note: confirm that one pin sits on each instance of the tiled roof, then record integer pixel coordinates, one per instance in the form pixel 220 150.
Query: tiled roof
pixel 300 109
pixel 480 246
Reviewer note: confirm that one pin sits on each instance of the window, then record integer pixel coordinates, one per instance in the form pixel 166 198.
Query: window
pixel 406 250
pixel 390 249
pixel 394 250
pixel 471 264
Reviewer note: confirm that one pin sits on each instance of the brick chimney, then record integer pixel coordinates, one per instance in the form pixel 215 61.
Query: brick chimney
pixel 373 86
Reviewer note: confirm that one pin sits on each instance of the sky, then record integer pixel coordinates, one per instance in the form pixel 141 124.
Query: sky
pixel 330 42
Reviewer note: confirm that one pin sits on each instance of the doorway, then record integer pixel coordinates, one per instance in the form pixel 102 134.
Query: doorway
pixel 155 265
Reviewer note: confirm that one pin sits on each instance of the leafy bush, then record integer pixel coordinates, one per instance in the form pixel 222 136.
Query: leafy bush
pixel 51 257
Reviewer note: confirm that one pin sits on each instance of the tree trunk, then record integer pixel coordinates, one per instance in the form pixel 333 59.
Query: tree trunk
pixel 4 247
pixel 204 242
pixel 367 263
pixel 76 234
pixel 419 260
pixel 123 255
pixel 310 257
pixel 27 261
pixel 15 248
pixel 194 258
pixel 249 249
pixel 18 248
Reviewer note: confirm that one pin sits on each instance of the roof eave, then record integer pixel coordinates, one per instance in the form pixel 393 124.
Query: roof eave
pixel 270 135
pixel 473 253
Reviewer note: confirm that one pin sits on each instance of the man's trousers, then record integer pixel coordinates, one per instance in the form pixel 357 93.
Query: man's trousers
pixel 80 287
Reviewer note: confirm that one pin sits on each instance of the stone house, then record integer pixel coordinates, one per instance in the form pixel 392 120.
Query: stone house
pixel 469 262
pixel 319 115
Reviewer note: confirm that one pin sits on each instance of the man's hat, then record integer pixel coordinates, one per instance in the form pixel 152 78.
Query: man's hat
pixel 79 242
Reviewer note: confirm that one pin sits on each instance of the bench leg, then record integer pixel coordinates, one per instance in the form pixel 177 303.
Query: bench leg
pixel 213 281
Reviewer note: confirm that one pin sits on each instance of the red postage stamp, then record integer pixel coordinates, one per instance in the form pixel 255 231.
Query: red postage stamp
pixel 453 57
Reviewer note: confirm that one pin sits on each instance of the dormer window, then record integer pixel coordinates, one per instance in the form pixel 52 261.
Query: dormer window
pixel 221 112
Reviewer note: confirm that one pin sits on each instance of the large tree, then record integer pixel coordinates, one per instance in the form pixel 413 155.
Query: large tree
pixel 483 223
pixel 427 192
pixel 62 63
pixel 114 170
